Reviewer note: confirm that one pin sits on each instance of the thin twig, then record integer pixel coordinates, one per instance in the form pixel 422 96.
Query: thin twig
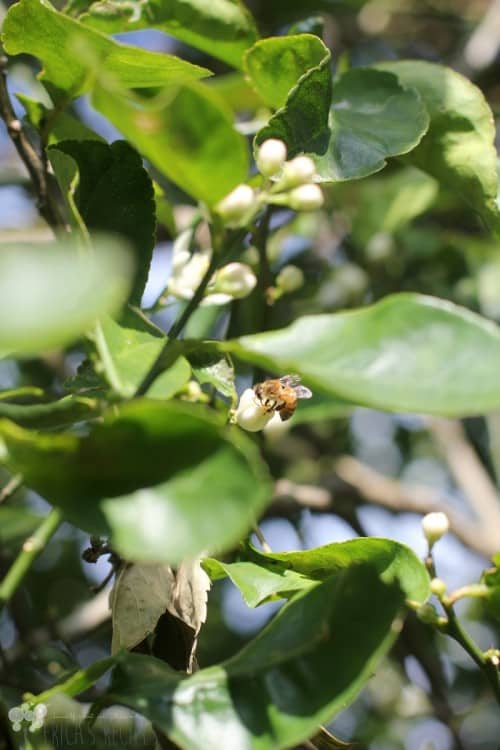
pixel 469 473
pixel 11 487
pixel 178 327
pixel 31 548
pixel 393 494
pixel 32 161
pixel 262 539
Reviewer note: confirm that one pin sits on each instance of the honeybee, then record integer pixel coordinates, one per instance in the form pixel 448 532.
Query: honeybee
pixel 281 395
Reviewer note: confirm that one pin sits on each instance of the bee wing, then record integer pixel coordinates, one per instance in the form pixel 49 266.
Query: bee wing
pixel 290 380
pixel 302 392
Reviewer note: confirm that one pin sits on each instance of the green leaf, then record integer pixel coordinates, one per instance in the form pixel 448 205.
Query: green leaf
pixel 64 411
pixel 306 666
pixel 132 346
pixel 72 53
pixel 221 28
pixel 408 352
pixel 81 680
pixel 275 65
pixel 349 130
pixel 491 578
pixel 458 149
pixel 277 575
pixel 114 194
pixel 210 367
pixel 385 204
pixel 171 131
pixel 155 477
pixel 60 126
pixel 16 525
pixel 50 294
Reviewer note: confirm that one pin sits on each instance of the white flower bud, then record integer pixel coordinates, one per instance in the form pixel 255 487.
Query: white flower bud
pixel 40 711
pixel 238 207
pixel 271 157
pixel 289 279
pixel 306 198
pixel 186 277
pixel 298 171
pixel 250 415
pixel 16 714
pixel 438 587
pixel 236 280
pixel 434 526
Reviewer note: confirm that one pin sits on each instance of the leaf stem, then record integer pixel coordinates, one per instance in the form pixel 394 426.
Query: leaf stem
pixel 11 487
pixel 178 326
pixel 31 548
pixel 32 161
pixel 455 630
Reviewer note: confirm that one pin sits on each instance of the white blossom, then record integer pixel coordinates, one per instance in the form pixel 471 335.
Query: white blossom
pixel 307 197
pixel 251 415
pixel 434 526
pixel 298 171
pixel 238 207
pixel 271 157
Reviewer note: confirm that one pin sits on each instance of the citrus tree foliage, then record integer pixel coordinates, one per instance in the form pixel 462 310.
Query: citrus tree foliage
pixel 147 448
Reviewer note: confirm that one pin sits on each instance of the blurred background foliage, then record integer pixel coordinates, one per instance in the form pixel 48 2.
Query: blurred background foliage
pixel 397 230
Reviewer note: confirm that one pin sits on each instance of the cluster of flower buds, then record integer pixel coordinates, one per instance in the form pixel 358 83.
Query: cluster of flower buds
pixel 27 715
pixel 292 186
pixel 232 281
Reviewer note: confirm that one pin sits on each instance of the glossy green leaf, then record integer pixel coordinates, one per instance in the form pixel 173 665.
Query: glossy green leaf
pixel 114 194
pixel 155 477
pixel 308 664
pixel 279 574
pixel 459 148
pixel 408 352
pixel 275 65
pixel 351 130
pixel 221 28
pixel 66 410
pixel 385 204
pixel 132 346
pixel 171 131
pixel 50 294
pixel 72 53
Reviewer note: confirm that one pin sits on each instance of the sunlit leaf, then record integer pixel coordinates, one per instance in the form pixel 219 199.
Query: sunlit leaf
pixel 309 663
pixel 71 53
pixel 408 352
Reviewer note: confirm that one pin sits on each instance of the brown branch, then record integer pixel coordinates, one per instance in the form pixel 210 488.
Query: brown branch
pixel 31 159
pixel 469 474
pixel 393 494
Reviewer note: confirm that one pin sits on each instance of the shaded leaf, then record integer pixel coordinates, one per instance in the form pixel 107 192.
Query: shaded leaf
pixel 140 596
pixel 349 130
pixel 491 578
pixel 114 194
pixel 385 204
pixel 221 28
pixel 308 664
pixel 16 524
pixel 210 367
pixel 155 477
pixel 50 294
pixel 66 410
pixel 408 352
pixel 71 53
pixel 458 149
pixel 171 131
